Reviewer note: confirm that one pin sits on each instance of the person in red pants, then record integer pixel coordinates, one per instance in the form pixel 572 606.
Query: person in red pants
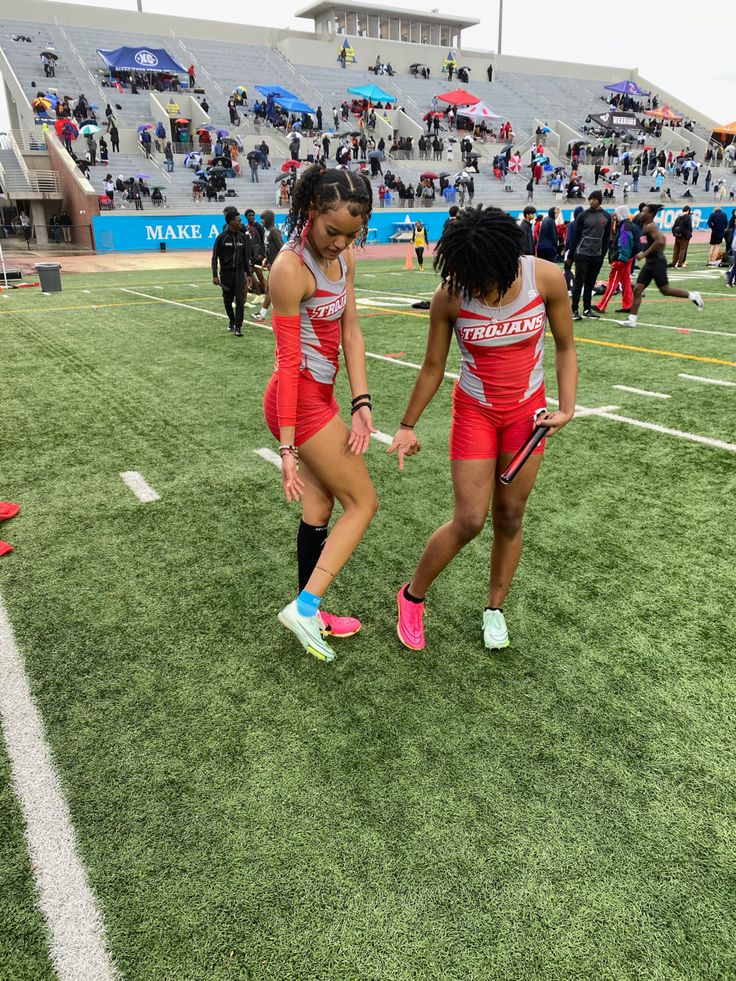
pixel 621 254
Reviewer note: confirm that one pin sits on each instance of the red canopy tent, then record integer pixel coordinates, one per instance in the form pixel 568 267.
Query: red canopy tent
pixel 665 114
pixel 459 97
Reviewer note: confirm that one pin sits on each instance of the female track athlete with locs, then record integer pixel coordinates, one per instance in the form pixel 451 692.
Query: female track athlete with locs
pixel 314 313
pixel 497 302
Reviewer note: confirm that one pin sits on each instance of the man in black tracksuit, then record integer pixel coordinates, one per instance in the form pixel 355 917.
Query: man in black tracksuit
pixel 232 251
pixel 589 246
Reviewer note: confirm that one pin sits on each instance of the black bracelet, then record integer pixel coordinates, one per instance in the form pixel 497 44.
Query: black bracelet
pixel 362 405
pixel 359 397
pixel 405 425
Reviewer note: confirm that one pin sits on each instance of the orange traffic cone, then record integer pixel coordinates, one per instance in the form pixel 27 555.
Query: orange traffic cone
pixel 409 263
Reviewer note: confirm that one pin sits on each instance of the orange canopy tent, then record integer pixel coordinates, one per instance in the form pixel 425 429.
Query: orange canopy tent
pixel 665 114
pixel 729 130
pixel 459 97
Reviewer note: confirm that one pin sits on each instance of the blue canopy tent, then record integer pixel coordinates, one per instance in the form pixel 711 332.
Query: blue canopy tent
pixel 277 91
pixel 294 105
pixel 372 92
pixel 140 59
pixel 626 88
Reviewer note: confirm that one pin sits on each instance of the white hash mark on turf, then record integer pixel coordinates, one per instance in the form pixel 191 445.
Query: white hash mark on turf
pixel 270 456
pixel 581 411
pixel 77 934
pixel 709 381
pixel 683 328
pixel 142 490
pixel 642 391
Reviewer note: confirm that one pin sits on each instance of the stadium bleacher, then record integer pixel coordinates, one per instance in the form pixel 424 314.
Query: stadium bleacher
pixel 528 99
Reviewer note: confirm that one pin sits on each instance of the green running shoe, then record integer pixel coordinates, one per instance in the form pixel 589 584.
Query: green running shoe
pixel 307 632
pixel 495 632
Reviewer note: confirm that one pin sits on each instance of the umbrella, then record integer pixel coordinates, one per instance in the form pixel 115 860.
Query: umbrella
pixel 465 68
pixel 463 178
pixel 433 115
pixel 223 132
pixel 376 155
pixel 144 126
pixel 143 177
pixel 192 158
pixel 183 121
pixel 66 129
pixel 459 97
pixel 288 164
pixel 515 165
pixel 242 88
pixel 444 173
pixel 92 105
pixel 218 169
pixel 89 129
pixel 88 122
pixel 50 54
pixel 206 129
pixel 41 104
pixel 428 175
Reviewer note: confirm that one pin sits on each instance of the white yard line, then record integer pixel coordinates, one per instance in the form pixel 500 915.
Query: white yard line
pixel 681 329
pixel 142 490
pixel 604 412
pixel 642 391
pixel 77 934
pixel 709 381
pixel 270 456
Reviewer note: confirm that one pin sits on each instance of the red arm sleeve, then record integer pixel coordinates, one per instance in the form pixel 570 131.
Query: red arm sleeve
pixel 288 359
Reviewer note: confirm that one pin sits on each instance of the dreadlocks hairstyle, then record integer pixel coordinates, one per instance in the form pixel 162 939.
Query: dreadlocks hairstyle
pixel 326 189
pixel 479 251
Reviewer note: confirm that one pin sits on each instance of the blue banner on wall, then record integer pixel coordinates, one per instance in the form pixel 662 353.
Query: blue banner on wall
pixel 141 232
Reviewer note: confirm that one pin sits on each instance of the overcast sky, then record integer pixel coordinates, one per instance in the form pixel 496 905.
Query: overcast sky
pixel 675 44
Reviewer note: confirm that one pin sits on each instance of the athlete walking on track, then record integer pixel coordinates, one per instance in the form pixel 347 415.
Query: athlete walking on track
pixel 314 313
pixel 497 302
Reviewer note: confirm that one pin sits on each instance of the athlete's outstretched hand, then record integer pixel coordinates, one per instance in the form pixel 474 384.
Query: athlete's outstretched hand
pixel 360 431
pixel 554 421
pixel 292 482
pixel 405 443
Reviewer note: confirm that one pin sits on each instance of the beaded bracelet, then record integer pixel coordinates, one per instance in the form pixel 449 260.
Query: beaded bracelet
pixel 288 448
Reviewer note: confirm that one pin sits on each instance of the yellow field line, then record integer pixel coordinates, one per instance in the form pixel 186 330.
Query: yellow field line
pixel 652 350
pixel 102 306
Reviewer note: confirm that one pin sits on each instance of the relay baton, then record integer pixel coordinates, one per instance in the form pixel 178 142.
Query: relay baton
pixel 526 451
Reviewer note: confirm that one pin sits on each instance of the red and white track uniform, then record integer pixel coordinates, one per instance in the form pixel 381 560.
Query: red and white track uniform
pixel 300 391
pixel 501 382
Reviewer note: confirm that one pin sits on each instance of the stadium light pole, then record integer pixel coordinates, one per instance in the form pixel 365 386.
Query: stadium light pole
pixel 500 24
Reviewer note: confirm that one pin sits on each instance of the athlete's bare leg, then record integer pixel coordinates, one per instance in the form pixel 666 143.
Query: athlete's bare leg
pixel 636 302
pixel 343 475
pixel 509 503
pixel 317 501
pixel 473 484
pixel 674 291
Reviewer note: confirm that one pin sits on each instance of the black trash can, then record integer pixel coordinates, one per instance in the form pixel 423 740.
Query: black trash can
pixel 49 274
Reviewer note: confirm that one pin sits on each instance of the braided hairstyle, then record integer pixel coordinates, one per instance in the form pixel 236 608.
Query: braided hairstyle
pixel 324 190
pixel 479 251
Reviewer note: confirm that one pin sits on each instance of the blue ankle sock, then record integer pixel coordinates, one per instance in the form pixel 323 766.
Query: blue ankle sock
pixel 307 604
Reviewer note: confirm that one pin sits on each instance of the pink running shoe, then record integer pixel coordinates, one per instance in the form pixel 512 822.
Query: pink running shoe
pixel 410 627
pixel 332 626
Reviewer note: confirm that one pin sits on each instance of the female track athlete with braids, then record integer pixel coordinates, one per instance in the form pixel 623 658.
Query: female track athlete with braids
pixel 497 303
pixel 314 313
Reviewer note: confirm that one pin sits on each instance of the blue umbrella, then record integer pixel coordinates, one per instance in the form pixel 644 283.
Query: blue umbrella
pixel 144 126
pixel 223 133
pixel 293 105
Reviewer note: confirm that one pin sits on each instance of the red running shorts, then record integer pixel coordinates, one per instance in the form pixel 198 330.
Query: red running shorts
pixel 315 407
pixel 481 432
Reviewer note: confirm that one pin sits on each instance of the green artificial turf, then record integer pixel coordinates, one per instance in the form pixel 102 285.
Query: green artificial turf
pixel 562 809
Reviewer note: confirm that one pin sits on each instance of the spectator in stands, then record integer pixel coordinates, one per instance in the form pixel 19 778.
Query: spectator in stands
pixel 284 195
pixel 109 187
pixel 54 229
pixel 145 141
pixel 589 246
pixel 114 139
pixel 192 76
pixel 530 190
pixel 169 157
pixel 104 156
pixel 335 118
pixel 92 149
pixel 109 116
pixel 66 225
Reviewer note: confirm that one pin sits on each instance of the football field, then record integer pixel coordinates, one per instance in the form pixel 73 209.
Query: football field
pixel 562 809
